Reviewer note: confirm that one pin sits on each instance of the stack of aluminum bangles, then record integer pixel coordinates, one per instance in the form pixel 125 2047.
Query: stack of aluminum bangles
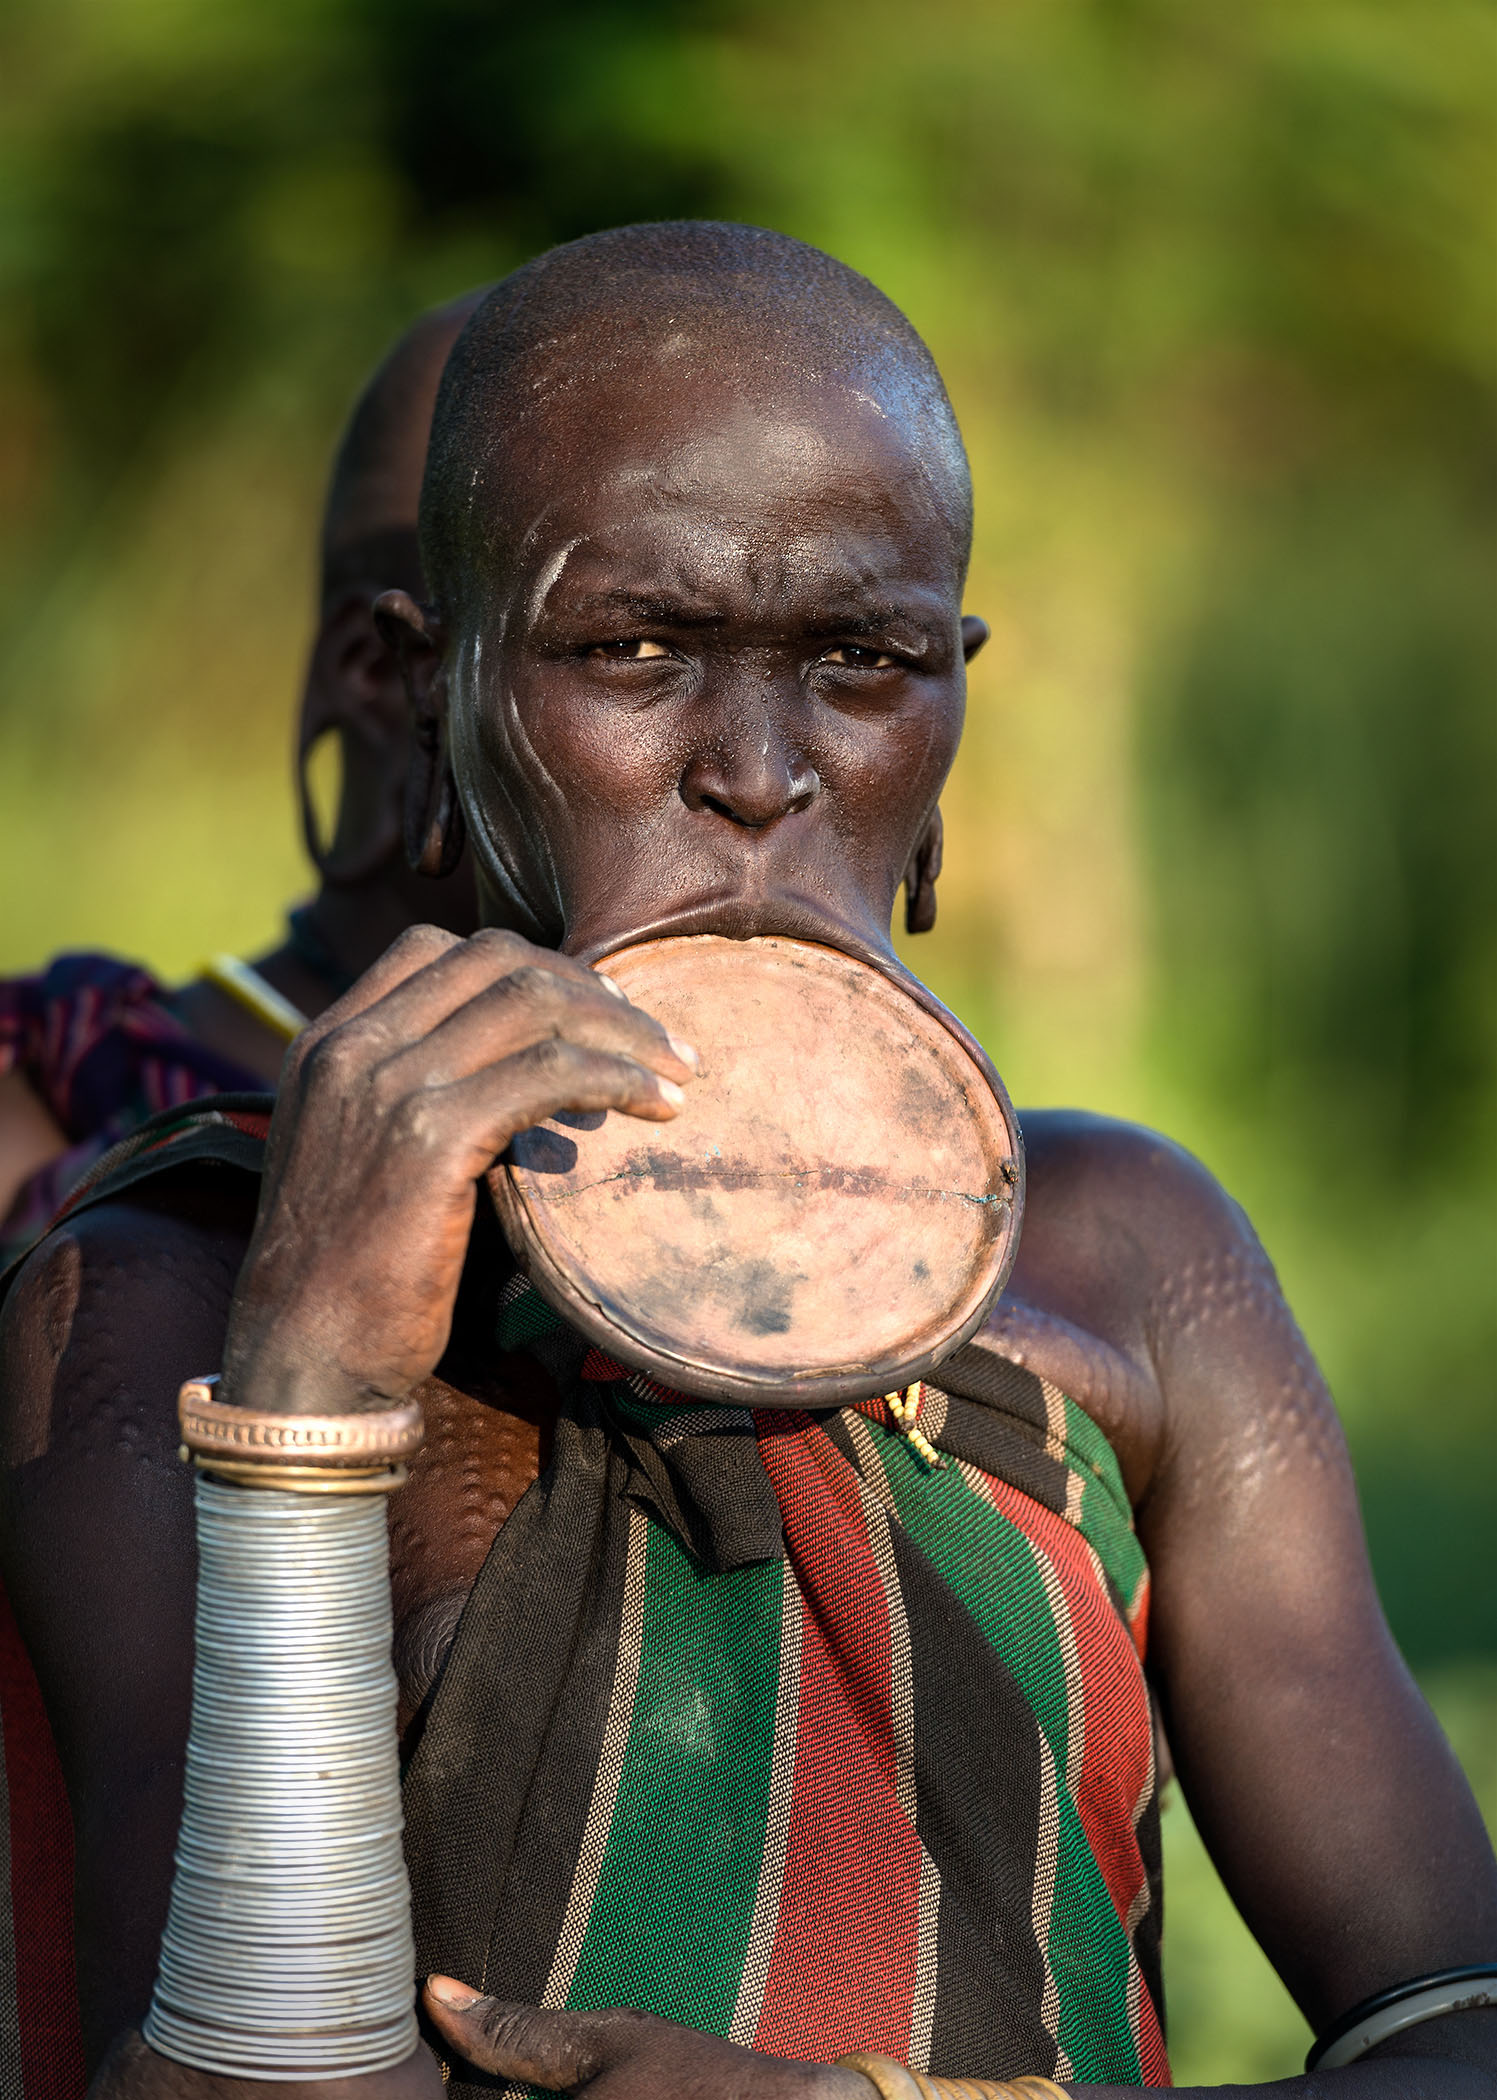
pixel 287 1952
pixel 891 2081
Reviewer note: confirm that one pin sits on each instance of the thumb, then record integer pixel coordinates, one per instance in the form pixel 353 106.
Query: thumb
pixel 554 2050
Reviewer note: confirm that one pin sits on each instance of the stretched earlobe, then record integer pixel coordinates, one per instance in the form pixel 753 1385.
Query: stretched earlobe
pixel 435 830
pixel 343 865
pixel 351 713
pixel 920 879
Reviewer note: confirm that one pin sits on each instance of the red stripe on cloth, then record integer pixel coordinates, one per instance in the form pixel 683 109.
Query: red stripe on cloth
pixel 41 1881
pixel 1117 1728
pixel 1117 1725
pixel 1148 2039
pixel 846 1945
pixel 1138 1615
pixel 255 1126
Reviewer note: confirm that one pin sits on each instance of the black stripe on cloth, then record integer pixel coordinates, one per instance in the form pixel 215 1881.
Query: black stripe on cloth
pixel 708 1488
pixel 1148 1937
pixel 997 1382
pixel 999 1422
pixel 978 1789
pixel 498 1792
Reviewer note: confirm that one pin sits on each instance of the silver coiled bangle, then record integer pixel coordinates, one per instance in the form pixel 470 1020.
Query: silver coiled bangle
pixel 287 1952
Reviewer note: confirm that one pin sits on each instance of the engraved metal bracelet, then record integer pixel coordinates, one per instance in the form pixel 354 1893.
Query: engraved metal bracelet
pixel 287 1952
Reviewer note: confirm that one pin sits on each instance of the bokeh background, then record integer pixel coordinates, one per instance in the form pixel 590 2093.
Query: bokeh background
pixel 1213 289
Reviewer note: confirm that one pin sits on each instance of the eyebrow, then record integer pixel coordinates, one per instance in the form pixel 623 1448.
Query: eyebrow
pixel 665 612
pixel 673 612
pixel 885 619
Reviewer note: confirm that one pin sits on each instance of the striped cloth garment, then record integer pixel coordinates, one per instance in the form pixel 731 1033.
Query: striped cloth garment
pixel 764 1723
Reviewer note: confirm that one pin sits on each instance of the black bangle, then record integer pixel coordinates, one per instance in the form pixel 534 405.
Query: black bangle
pixel 1368 2024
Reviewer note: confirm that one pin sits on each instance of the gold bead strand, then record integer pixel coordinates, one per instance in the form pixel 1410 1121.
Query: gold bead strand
pixel 905 1407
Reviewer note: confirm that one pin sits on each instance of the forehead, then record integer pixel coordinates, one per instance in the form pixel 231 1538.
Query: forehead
pixel 671 461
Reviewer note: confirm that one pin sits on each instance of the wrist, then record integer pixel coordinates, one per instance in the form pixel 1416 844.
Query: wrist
pixel 271 1370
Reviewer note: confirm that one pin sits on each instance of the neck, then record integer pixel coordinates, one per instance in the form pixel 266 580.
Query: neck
pixel 350 928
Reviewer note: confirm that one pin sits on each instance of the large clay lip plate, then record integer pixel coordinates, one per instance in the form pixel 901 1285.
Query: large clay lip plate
pixel 834 1210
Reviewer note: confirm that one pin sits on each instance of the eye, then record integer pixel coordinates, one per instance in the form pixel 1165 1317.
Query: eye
pixel 633 651
pixel 856 658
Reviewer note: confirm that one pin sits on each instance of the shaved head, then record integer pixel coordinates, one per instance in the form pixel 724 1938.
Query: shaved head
pixel 369 522
pixel 695 527
pixel 640 302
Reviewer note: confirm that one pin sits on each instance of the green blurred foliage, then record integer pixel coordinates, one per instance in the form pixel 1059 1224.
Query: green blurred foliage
pixel 1213 291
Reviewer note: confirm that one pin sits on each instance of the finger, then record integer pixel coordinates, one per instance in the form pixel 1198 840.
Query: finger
pixel 474 1118
pixel 416 949
pixel 554 2050
pixel 444 1133
pixel 527 1006
pixel 425 976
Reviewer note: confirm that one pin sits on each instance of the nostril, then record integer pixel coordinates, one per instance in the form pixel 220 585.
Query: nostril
pixel 719 808
pixel 755 802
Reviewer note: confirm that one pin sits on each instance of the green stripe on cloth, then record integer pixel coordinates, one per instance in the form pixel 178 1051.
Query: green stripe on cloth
pixel 1106 1518
pixel 990 1567
pixel 524 1316
pixel 671 1917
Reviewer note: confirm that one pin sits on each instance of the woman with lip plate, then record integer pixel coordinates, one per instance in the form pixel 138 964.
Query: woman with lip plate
pixel 756 1753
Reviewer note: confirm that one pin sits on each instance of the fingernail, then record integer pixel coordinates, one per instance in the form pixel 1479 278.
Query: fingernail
pixel 685 1052
pixel 669 1091
pixel 447 1991
pixel 616 989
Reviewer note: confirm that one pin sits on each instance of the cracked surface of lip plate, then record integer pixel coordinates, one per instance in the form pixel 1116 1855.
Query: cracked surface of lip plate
pixel 832 1212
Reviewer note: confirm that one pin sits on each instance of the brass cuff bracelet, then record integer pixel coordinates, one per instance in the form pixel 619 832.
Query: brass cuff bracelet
pixel 891 2081
pixel 308 1454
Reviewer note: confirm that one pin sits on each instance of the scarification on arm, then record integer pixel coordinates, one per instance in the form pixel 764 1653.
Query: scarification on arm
pixel 1223 1311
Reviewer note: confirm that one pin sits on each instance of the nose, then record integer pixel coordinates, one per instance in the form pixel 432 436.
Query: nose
pixel 751 773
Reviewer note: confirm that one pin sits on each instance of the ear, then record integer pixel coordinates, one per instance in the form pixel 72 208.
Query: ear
pixel 434 830
pixel 920 879
pixel 974 633
pixel 353 693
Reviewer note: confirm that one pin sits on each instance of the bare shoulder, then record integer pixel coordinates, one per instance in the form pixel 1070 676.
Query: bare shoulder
pixel 1098 1172
pixel 105 1319
pixel 1130 1239
pixel 1135 1231
pixel 106 1307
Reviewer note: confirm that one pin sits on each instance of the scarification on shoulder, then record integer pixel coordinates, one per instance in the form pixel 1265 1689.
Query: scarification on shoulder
pixel 1236 1290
